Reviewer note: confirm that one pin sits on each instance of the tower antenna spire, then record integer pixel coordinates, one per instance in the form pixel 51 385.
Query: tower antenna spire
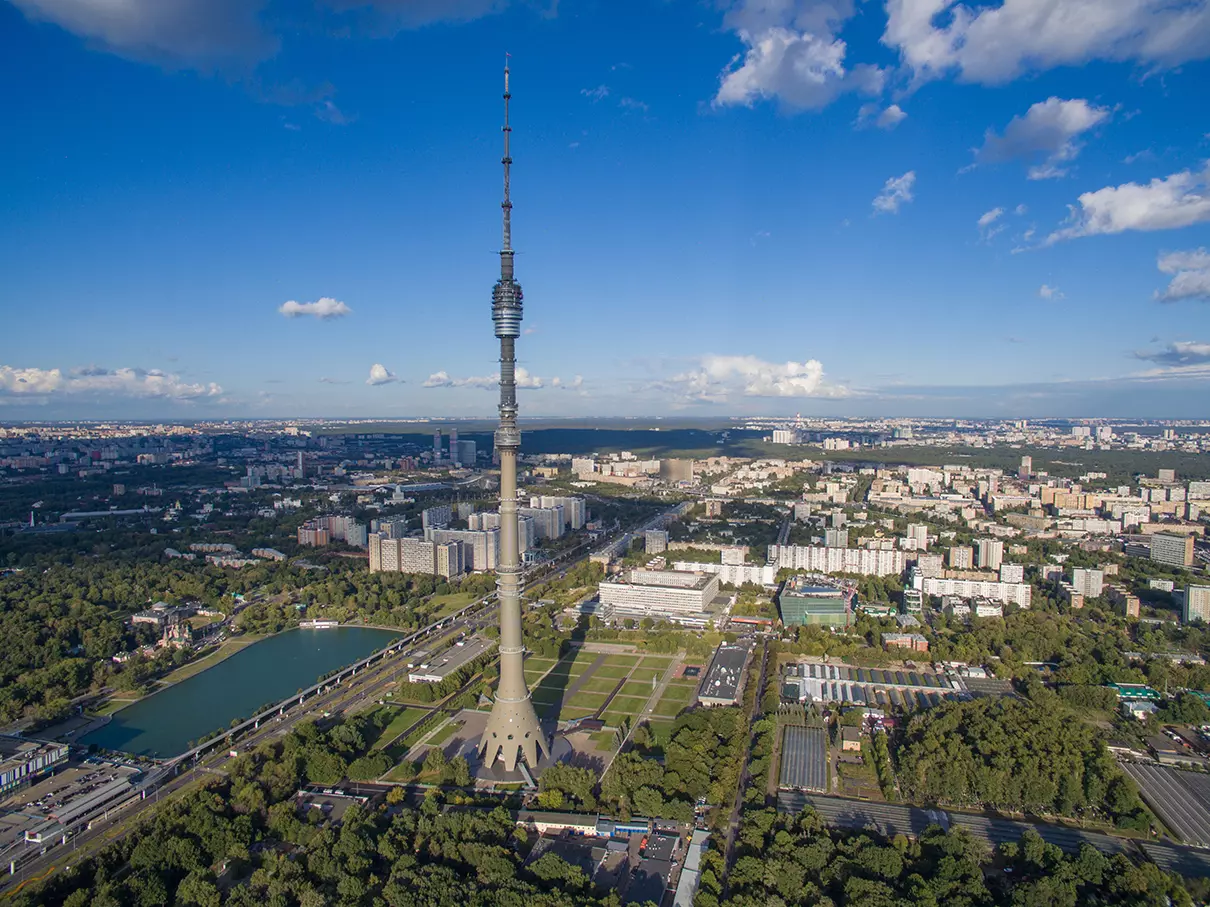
pixel 512 733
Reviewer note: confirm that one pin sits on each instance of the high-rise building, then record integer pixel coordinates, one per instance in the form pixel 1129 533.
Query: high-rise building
pixel 454 447
pixel 919 534
pixel 467 453
pixel 436 517
pixel 989 553
pixel 512 732
pixel 1197 604
pixel 961 557
pixel 836 538
pixel 1012 573
pixel 656 541
pixel 1167 476
pixel 1027 468
pixel 436 445
pixel 1089 583
pixel 1173 550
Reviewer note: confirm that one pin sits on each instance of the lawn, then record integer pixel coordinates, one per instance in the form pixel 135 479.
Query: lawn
pixel 597 684
pixel 404 719
pixel 591 701
pixel 637 688
pixel 661 730
pixel 110 706
pixel 442 736
pixel 617 672
pixel 568 713
pixel 624 660
pixel 678 693
pixel 226 650
pixel 669 707
pixel 603 740
pixel 656 661
pixel 445 605
pixel 644 675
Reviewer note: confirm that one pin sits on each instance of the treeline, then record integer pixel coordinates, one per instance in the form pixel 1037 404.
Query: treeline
pixel 245 841
pixel 795 860
pixel 1015 755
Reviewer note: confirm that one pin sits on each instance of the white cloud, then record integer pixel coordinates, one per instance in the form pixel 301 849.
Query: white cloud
pixel 1020 210
pixel 896 192
pixel 1179 353
pixel 596 94
pixel 989 217
pixel 719 378
pixel 791 54
pixel 324 307
pixel 380 374
pixel 1048 129
pixel 993 44
pixel 1179 200
pixel 891 117
pixel 486 382
pixel 1190 275
pixel 1049 292
pixel 122 382
pixel 632 104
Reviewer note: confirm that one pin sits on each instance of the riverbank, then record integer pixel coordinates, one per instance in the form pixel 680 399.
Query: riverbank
pixel 226 649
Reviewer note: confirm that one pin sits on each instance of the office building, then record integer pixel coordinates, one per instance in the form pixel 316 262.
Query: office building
pixel 804 604
pixel 660 594
pixel 454 446
pixel 836 538
pixel 1196 604
pixel 467 453
pixel 989 554
pixel 1089 583
pixel 961 557
pixel 656 541
pixel 1173 550
pixel 436 445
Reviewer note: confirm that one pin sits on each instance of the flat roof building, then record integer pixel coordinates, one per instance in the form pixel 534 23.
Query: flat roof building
pixel 660 594
pixel 22 760
pixel 449 661
pixel 724 680
pixel 803 604
pixel 804 759
pixel 1173 550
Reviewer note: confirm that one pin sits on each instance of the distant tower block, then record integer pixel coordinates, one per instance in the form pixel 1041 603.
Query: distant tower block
pixel 436 444
pixel 512 733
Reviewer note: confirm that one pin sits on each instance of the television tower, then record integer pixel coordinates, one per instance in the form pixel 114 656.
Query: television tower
pixel 512 730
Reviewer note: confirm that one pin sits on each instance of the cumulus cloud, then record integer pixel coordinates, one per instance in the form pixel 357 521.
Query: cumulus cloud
pixel 122 382
pixel 1049 129
pixel 1190 275
pixel 994 43
pixel 380 374
pixel 1167 203
pixel 1179 353
pixel 717 379
pixel 1048 292
pixel 791 54
pixel 323 308
pixel 486 382
pixel 872 114
pixel 897 191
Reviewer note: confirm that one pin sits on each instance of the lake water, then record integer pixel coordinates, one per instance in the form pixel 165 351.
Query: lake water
pixel 261 674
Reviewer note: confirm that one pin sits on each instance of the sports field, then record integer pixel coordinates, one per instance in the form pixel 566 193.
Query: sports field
pixel 612 687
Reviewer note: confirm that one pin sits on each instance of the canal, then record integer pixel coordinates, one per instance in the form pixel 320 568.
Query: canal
pixel 265 672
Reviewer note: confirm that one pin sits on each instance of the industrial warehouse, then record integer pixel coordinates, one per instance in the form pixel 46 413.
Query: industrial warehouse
pixel 901 689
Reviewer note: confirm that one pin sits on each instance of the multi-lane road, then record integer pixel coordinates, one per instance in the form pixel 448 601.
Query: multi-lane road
pixel 890 819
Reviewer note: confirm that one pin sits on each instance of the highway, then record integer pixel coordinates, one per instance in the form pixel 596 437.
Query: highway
pixel 890 819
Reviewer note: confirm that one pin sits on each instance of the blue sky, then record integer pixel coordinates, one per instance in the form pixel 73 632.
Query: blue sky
pixel 862 207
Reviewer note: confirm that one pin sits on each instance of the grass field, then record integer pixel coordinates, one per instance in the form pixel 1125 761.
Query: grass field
pixel 448 604
pixel 597 684
pixel 661 730
pixel 225 651
pixel 583 700
pixel 669 707
pixel 109 706
pixel 404 719
pixel 451 727
pixel 617 672
pixel 656 661
pixel 680 692
pixel 603 740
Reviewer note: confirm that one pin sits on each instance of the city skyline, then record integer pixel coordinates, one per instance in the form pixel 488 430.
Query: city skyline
pixel 911 208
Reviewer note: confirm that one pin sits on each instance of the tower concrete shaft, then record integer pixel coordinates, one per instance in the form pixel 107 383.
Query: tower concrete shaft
pixel 512 732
